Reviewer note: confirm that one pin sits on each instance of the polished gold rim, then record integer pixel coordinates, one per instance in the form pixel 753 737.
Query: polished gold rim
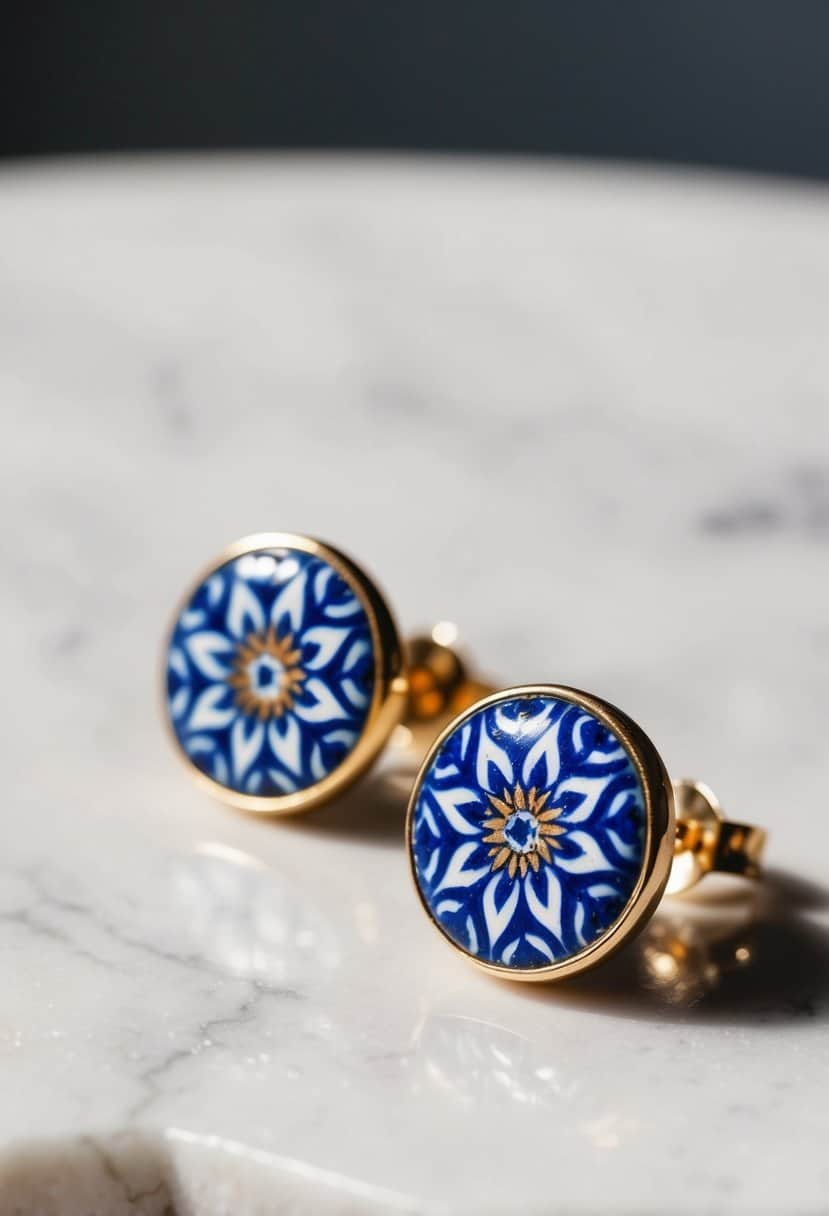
pixel 389 695
pixel 659 831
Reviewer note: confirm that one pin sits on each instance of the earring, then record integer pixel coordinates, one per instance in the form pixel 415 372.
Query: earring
pixel 543 830
pixel 285 674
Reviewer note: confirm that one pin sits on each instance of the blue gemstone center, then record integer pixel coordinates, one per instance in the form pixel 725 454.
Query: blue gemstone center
pixel 521 831
pixel 265 675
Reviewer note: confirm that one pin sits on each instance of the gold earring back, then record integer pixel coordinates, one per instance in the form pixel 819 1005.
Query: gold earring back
pixel 706 842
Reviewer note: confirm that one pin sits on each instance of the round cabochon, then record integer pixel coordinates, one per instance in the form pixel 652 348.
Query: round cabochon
pixel 528 831
pixel 270 672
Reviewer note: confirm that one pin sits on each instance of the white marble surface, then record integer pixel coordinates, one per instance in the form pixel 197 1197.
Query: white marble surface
pixel 585 413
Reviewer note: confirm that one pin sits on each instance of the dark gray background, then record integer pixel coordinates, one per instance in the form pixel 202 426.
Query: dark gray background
pixel 737 84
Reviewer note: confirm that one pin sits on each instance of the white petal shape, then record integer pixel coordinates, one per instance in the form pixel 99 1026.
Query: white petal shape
pixel 285 743
pixel 579 925
pixel 509 951
pixel 456 875
pixel 490 751
pixel 179 703
pixel 207 714
pixel 245 746
pixel 286 568
pixel 591 856
pixel 291 600
pixel 343 609
pixel 448 905
pixel 215 587
pixel 498 919
pixel 600 757
pixel 357 651
pixel 325 706
pixel 449 800
pixel 321 580
pixel 254 782
pixel 597 756
pixel 357 696
pixel 244 614
pixel 472 935
pixel 466 732
pixel 591 788
pixel 546 748
pixel 328 639
pixel 282 781
pixel 257 567
pixel 628 851
pixel 601 889
pixel 432 864
pixel 426 812
pixel 541 946
pixel 619 802
pixel 221 772
pixel 343 735
pixel 317 766
pixel 177 663
pixel 446 770
pixel 548 911
pixel 200 745
pixel 192 618
pixel 517 726
pixel 210 651
pixel 579 726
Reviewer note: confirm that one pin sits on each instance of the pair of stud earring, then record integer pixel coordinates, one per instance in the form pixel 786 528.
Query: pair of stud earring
pixel 542 828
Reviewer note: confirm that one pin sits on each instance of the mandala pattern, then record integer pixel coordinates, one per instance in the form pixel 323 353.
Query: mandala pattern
pixel 528 832
pixel 270 672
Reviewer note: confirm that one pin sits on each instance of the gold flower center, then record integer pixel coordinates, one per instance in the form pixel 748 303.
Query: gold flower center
pixel 522 831
pixel 266 675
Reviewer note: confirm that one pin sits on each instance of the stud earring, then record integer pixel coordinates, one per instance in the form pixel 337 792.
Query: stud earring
pixel 543 830
pixel 285 675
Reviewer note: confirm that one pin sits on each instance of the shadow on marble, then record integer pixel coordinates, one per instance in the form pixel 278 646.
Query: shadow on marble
pixel 86 1175
pixel 374 810
pixel 177 1173
pixel 730 952
pixel 735 955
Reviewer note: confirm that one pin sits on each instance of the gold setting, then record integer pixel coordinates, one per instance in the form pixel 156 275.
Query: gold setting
pixel 389 695
pixel 686 834
pixel 660 831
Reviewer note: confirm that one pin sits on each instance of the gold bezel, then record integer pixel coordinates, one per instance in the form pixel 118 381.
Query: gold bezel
pixel 659 838
pixel 389 695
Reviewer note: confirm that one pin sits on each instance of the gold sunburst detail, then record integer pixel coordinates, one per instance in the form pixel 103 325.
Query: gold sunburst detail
pixel 266 675
pixel 522 830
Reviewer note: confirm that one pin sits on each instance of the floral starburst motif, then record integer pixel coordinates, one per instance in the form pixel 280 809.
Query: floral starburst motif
pixel 266 674
pixel 270 672
pixel 528 831
pixel 522 831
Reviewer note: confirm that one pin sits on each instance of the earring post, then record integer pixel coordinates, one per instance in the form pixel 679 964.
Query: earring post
pixel 440 685
pixel 706 842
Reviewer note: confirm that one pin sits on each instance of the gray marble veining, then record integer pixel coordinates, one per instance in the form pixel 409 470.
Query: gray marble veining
pixel 582 412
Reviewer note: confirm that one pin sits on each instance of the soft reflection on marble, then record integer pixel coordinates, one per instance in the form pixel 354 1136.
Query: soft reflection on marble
pixel 684 963
pixel 514 1082
pixel 751 957
pixel 733 947
pixel 734 951
pixel 479 1062
pixel 250 920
